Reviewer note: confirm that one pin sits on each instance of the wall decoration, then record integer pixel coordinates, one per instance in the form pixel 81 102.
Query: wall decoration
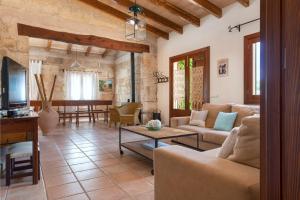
pixel 223 67
pixel 105 85
pixel 160 78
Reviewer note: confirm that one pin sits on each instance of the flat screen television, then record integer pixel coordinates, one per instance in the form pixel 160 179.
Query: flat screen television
pixel 13 85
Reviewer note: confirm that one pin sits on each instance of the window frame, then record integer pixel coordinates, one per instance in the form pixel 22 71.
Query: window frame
pixel 249 40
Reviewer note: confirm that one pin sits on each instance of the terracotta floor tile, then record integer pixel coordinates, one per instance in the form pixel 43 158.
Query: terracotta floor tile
pixel 56 171
pixel 83 167
pixel 125 177
pixel 93 152
pixel 75 161
pixel 145 196
pixel 96 183
pixel 59 180
pixel 60 191
pixel 116 169
pixel 137 187
pixel 82 196
pixel 70 151
pixel 74 155
pixel 89 174
pixel 112 193
pixel 107 162
pixel 101 156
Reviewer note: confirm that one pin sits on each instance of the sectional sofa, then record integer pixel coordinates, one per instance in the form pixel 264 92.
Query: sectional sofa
pixel 210 138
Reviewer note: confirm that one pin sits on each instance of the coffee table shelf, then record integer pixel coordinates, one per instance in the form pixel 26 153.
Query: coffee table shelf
pixel 156 136
pixel 136 146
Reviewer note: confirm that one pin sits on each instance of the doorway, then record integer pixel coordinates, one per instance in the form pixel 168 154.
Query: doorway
pixel 189 81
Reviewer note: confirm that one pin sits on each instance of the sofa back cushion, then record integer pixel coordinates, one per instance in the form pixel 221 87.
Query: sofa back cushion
pixel 213 111
pixel 247 147
pixel 243 111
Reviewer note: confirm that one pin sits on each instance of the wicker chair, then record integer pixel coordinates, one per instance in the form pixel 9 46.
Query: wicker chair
pixel 127 114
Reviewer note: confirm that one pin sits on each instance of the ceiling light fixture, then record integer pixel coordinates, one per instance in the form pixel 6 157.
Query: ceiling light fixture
pixel 135 28
pixel 75 64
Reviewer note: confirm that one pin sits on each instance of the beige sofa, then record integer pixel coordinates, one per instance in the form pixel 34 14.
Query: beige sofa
pixel 185 174
pixel 208 137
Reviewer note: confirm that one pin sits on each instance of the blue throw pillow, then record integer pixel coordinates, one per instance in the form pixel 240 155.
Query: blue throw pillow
pixel 225 121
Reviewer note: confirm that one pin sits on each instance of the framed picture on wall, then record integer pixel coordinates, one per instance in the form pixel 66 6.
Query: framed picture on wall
pixel 106 85
pixel 223 67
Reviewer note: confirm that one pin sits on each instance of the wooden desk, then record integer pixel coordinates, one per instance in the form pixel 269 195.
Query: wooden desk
pixel 24 124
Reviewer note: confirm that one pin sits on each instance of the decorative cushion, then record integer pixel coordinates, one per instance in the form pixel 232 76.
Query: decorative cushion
pixel 225 121
pixel 198 118
pixel 213 111
pixel 227 146
pixel 243 111
pixel 247 147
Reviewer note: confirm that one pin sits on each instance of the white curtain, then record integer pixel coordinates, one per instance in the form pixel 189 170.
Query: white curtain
pixel 80 85
pixel 35 67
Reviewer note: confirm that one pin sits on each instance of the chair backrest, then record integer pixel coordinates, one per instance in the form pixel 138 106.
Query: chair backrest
pixel 130 108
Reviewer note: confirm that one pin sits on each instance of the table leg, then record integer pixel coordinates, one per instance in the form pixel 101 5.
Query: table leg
pixel 155 146
pixel 120 142
pixel 35 153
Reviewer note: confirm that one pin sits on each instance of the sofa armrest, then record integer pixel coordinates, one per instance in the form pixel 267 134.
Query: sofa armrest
pixel 182 173
pixel 179 121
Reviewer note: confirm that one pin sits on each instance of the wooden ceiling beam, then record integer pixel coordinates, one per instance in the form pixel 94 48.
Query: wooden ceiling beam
pixel 178 11
pixel 69 49
pixel 87 40
pixel 112 11
pixel 49 44
pixel 245 3
pixel 88 51
pixel 152 15
pixel 209 7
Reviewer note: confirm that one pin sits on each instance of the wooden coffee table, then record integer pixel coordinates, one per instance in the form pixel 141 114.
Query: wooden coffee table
pixel 164 133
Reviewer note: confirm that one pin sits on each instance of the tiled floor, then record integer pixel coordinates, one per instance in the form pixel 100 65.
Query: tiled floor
pixel 84 163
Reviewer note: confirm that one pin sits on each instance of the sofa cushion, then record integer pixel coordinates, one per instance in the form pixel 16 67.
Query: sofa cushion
pixel 227 146
pixel 213 111
pixel 247 146
pixel 198 118
pixel 225 121
pixel 243 111
pixel 215 136
pixel 207 134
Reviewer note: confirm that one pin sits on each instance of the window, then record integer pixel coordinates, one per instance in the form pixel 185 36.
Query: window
pixel 189 81
pixel 80 85
pixel 35 67
pixel 252 69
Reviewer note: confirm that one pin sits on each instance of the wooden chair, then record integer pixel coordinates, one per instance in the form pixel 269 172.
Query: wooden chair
pixel 19 158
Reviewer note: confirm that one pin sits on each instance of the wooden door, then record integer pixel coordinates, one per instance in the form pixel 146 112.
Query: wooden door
pixel 280 100
pixel 189 81
pixel 290 162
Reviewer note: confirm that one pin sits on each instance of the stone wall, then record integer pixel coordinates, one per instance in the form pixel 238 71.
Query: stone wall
pixel 123 78
pixel 56 62
pixel 74 17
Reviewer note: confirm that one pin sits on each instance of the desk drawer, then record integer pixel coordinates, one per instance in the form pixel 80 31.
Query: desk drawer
pixel 12 138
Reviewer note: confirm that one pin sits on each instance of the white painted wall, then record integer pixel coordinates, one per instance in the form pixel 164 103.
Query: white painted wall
pixel 212 32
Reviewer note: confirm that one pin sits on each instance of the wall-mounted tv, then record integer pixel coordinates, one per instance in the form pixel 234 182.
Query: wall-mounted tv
pixel 14 92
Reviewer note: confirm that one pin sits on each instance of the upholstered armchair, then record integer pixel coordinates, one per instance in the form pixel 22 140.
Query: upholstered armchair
pixel 127 114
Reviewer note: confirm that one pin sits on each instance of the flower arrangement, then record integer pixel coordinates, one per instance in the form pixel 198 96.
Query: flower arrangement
pixel 153 125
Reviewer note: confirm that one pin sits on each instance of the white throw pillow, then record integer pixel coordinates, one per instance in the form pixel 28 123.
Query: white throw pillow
pixel 228 145
pixel 198 118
